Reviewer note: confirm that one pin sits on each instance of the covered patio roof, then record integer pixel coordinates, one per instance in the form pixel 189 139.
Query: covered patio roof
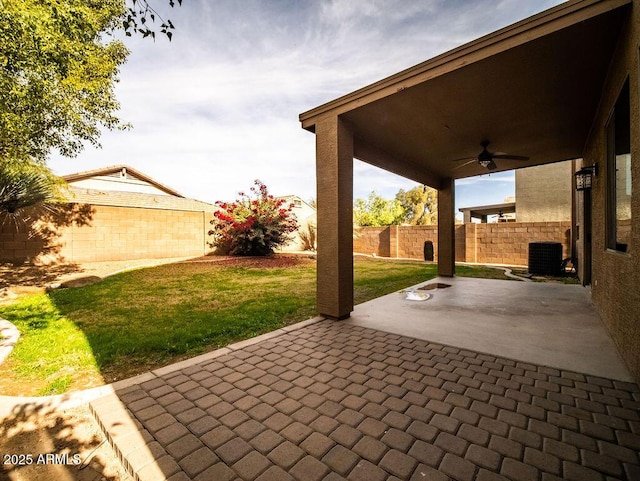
pixel 530 89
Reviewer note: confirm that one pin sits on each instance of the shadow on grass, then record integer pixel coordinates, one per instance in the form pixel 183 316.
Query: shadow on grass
pixel 141 320
pixel 38 441
pixel 33 276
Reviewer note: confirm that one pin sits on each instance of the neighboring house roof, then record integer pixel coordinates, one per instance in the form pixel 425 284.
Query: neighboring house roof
pixel 296 200
pixel 120 171
pixel 136 199
pixel 305 213
pixel 494 209
pixel 124 186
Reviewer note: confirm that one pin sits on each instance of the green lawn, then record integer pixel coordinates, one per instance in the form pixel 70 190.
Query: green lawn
pixel 143 319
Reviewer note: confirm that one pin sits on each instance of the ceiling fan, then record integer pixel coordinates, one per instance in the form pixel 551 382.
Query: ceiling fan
pixel 485 158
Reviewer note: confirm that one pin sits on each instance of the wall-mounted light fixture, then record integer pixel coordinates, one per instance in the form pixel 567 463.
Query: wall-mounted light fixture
pixel 584 177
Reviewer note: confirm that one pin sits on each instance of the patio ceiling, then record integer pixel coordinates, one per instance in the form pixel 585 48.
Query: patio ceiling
pixel 531 89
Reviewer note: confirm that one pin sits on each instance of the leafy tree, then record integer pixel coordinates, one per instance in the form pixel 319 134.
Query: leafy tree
pixel 420 205
pixel 254 224
pixel 56 75
pixel 137 19
pixel 58 70
pixel 377 211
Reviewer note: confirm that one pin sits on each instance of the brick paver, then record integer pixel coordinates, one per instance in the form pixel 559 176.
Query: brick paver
pixel 330 401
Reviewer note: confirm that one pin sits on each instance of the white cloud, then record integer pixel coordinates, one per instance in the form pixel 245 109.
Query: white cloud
pixel 218 106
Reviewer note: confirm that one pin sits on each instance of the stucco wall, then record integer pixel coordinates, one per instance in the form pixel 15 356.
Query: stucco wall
pixel 85 233
pixel 307 220
pixel 498 243
pixel 543 193
pixel 616 276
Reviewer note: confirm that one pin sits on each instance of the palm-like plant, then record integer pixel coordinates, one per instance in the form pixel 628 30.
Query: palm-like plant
pixel 26 184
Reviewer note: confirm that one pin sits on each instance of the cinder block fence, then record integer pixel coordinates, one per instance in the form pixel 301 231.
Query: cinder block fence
pixel 89 233
pixel 497 243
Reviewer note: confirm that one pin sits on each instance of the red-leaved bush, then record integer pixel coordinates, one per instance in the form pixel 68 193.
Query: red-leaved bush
pixel 253 225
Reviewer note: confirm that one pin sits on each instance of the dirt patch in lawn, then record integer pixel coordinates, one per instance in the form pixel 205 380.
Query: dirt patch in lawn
pixel 26 275
pixel 23 279
pixel 276 261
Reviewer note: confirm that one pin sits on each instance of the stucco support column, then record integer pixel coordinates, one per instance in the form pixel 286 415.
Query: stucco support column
pixel 334 174
pixel 446 228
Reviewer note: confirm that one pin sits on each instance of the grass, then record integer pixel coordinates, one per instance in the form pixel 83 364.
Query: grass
pixel 481 272
pixel 498 273
pixel 139 320
pixel 50 346
pixel 143 319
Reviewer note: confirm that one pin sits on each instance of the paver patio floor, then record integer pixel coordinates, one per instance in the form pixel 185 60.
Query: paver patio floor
pixel 332 401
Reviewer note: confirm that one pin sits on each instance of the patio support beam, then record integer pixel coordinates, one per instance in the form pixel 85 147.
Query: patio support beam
pixel 334 174
pixel 446 228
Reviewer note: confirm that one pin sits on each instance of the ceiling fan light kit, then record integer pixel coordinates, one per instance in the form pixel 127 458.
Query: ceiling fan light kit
pixel 486 158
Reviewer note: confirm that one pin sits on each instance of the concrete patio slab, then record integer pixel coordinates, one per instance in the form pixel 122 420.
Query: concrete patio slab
pixel 336 401
pixel 545 323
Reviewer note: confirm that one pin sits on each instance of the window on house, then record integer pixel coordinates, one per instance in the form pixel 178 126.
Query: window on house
pixel 619 173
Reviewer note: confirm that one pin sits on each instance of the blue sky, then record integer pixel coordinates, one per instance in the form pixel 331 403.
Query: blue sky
pixel 218 106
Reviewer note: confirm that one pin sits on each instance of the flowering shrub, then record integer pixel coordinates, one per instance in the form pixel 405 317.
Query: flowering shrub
pixel 252 225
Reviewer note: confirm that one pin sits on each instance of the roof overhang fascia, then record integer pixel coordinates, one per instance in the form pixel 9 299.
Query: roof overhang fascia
pixel 506 208
pixel 537 26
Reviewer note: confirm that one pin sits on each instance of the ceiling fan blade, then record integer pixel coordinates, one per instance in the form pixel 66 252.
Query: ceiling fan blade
pixel 464 158
pixel 510 157
pixel 471 161
pixel 492 165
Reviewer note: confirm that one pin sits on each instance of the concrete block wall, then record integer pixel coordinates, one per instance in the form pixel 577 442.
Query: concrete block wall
pixel 508 242
pixel 394 241
pixel 19 245
pixel 35 234
pixel 411 240
pixel 372 240
pixel 499 243
pixel 106 233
